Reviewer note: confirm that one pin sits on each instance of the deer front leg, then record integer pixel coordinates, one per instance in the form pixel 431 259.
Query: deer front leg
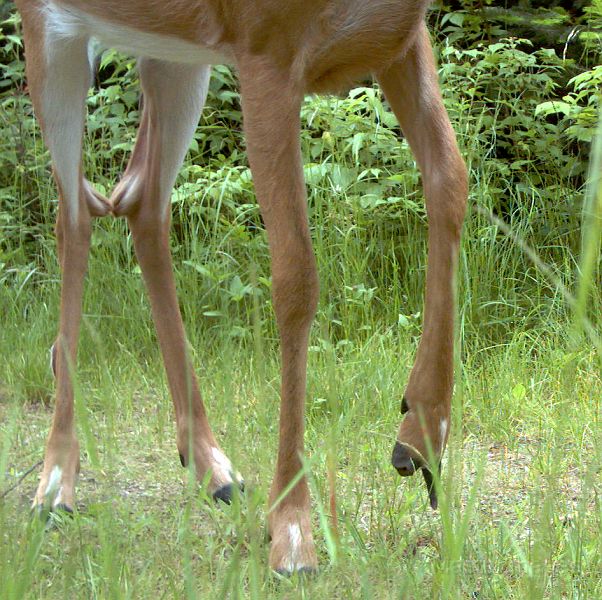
pixel 271 103
pixel 412 89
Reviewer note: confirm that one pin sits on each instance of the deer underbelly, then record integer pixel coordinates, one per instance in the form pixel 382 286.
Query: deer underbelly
pixel 73 22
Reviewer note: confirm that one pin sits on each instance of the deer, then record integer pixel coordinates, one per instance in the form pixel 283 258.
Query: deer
pixel 281 51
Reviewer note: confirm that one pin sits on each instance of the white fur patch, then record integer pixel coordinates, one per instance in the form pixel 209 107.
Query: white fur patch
pixel 53 359
pixel 442 430
pixel 295 538
pixel 58 499
pixel 225 467
pixel 221 459
pixel 54 487
pixel 71 22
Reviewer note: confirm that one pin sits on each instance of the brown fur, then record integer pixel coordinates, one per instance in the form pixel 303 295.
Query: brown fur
pixel 281 51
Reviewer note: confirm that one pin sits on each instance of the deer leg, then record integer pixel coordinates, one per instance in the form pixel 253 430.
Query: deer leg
pixel 173 99
pixel 59 75
pixel 271 104
pixel 411 87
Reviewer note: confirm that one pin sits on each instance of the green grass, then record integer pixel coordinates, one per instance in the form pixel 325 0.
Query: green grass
pixel 521 508
pixel 520 517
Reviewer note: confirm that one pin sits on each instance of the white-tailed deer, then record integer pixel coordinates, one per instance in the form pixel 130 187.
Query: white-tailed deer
pixel 281 50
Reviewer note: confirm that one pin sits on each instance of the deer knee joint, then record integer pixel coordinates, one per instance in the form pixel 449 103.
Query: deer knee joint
pixel 446 189
pixel 295 291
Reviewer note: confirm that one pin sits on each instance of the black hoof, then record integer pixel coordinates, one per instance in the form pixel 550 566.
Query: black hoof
pixel 407 465
pixel 403 461
pixel 430 486
pixel 225 493
pixel 63 510
pixel 52 516
pixel 302 572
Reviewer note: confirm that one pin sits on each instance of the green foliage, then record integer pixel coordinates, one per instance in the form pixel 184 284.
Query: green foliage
pixel 577 110
pixel 570 28
pixel 21 212
pixel 498 88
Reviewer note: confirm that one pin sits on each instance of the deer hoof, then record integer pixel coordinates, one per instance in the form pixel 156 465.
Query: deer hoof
pixel 405 460
pixel 407 463
pixel 225 493
pixel 52 516
pixel 430 486
pixel 63 509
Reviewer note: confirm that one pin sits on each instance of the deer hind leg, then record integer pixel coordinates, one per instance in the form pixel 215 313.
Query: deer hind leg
pixel 271 115
pixel 412 89
pixel 59 75
pixel 173 99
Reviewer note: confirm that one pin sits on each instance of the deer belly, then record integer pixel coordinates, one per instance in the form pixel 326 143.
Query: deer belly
pixel 68 21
